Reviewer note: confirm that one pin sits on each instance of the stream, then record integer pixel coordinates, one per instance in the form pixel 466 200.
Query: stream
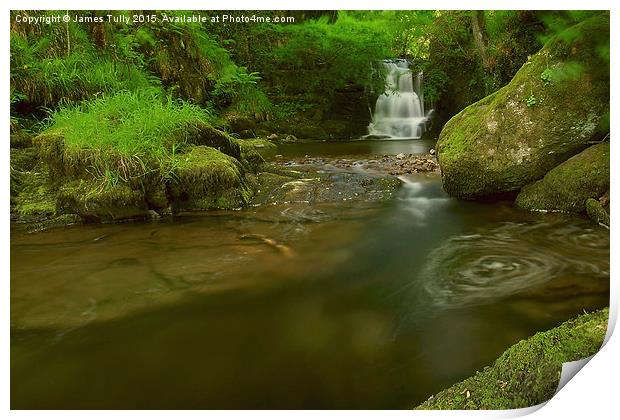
pixel 356 304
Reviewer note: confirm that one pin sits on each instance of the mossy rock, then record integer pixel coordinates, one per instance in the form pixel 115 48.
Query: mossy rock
pixel 255 151
pixel 205 178
pixel 21 139
pixel 92 164
pixel 546 114
pixel 202 134
pixel 597 213
pixel 527 373
pixel 567 186
pixel 51 148
pixel 24 159
pixel 33 195
pixel 94 202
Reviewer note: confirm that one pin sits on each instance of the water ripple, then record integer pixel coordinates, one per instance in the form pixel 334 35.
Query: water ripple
pixel 479 268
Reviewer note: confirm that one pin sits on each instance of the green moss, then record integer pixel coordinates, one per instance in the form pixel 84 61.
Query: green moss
pixel 527 373
pixel 32 190
pixel 203 134
pixel 596 212
pixel 205 178
pixel 20 139
pixel 499 144
pixel 24 159
pixel 254 151
pixel 567 186
pixel 96 202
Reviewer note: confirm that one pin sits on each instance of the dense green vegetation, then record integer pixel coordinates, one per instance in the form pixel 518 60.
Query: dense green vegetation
pixel 273 71
pixel 122 105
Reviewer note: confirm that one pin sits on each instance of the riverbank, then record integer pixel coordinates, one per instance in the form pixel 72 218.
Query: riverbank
pixel 527 373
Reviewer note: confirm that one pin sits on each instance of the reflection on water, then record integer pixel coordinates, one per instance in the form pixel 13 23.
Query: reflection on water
pixel 342 305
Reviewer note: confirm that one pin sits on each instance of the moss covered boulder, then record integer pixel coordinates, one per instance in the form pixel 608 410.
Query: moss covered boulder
pixel 527 373
pixel 205 178
pixel 566 187
pixel 95 202
pixel 556 103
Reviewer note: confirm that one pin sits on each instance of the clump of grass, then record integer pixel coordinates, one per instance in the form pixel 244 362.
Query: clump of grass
pixel 128 122
pixel 128 133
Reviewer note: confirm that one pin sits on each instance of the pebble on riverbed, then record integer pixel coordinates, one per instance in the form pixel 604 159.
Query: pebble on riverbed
pixel 399 164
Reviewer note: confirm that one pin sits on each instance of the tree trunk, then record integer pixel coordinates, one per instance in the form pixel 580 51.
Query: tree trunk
pixel 480 37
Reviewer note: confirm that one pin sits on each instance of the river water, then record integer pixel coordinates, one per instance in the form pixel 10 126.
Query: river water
pixel 337 305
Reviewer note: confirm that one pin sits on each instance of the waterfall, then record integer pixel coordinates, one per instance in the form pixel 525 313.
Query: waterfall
pixel 399 111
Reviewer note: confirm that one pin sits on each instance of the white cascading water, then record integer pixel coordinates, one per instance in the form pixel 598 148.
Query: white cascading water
pixel 399 112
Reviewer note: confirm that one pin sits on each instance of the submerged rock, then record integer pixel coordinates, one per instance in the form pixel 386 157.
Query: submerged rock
pixel 556 103
pixel 313 185
pixel 567 186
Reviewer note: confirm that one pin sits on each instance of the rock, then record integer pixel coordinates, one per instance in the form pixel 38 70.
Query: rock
pixel 21 139
pixel 94 202
pixel 605 199
pixel 400 156
pixel 153 215
pixel 567 186
pixel 321 187
pixel 204 135
pixel 272 136
pixel 208 179
pixel 596 212
pixel 290 138
pixel 545 115
pixel 246 134
pixel 376 137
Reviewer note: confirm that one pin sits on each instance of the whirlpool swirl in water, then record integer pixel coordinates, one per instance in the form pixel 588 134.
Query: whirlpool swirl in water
pixel 492 264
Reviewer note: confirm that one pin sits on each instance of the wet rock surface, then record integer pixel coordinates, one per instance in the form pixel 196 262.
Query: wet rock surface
pixel 323 180
pixel 399 164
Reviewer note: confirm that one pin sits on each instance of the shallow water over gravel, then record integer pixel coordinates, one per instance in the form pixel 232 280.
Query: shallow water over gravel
pixel 352 304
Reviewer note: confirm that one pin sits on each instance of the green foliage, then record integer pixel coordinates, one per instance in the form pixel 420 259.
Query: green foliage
pixel 129 134
pixel 547 77
pixel 284 110
pixel 62 63
pixel 260 70
pixel 73 62
pixel 320 57
pixel 128 122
